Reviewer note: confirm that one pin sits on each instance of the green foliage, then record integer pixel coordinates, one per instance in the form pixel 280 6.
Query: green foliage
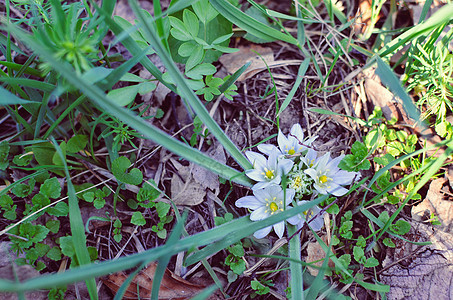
pixel 4 151
pixel 119 170
pixel 235 259
pixel 356 161
pixel 117 236
pixel 259 288
pixel 138 219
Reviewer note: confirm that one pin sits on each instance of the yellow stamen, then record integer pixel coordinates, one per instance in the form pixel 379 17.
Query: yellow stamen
pixel 291 151
pixel 269 173
pixel 323 179
pixel 273 206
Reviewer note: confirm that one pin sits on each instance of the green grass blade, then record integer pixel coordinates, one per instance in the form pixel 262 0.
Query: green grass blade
pixel 300 75
pixel 205 293
pixel 440 17
pixel 7 98
pixel 246 231
pixel 187 93
pixel 391 81
pixel 297 279
pixel 233 231
pixel 76 223
pixel 249 24
pixel 98 97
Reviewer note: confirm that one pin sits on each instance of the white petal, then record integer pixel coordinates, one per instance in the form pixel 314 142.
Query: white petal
pixel 297 132
pixel 249 202
pixel 322 161
pixel 282 141
pixel 317 224
pixel 262 194
pixel 266 148
pixel 256 159
pixel 279 229
pixel 290 193
pixel 260 185
pixel 262 232
pixel 312 173
pixel 336 190
pixel 344 177
pixel 259 214
pixel 255 174
pixel 285 165
pixel 333 164
pixel 294 220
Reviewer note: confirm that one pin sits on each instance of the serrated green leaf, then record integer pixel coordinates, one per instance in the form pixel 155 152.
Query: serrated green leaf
pixel 40 200
pixel 60 209
pixel 119 168
pixel 51 188
pixel 53 225
pixel 138 219
pixel 67 246
pixel 40 233
pixel 384 160
pixel 358 253
pixel 54 254
pixel 23 160
pixel 371 262
pixel 162 209
pixel 237 250
pixel 388 242
pixel 6 201
pixel 400 227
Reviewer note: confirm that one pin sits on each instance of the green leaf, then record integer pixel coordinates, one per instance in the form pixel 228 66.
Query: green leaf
pixel 200 70
pixel 123 96
pixel 40 200
pixel 400 227
pixel 23 190
pixel 361 241
pixel 6 201
pixel 43 153
pixel 237 250
pixel 53 225
pixel 384 160
pixel 54 253
pixel 371 262
pixel 138 219
pixel 358 253
pixel 39 234
pixel 23 160
pixel 187 48
pixel 67 246
pixel 77 143
pixel 191 22
pixel 179 30
pixel 51 188
pixel 146 87
pixel 88 196
pixel 119 168
pixel 60 209
pixel 195 58
pixel 333 209
pixel 388 242
pixel 162 234
pixel 162 209
pixel 99 203
pixel 10 214
pixel 204 10
pixel 4 152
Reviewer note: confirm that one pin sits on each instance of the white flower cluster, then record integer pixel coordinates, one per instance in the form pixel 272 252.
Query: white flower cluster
pixel 305 174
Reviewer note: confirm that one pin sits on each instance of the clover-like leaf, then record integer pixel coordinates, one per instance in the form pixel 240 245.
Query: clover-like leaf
pixel 199 71
pixel 191 22
pixel 119 170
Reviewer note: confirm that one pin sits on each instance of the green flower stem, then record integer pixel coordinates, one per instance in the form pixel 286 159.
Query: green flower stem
pixel 297 280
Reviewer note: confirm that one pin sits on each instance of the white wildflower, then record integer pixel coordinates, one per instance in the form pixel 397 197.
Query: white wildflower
pixel 299 220
pixel 267 171
pixel 264 203
pixel 328 177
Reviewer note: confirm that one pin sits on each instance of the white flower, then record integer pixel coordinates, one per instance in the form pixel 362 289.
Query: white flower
pixel 264 203
pixel 299 220
pixel 328 177
pixel 309 160
pixel 300 182
pixel 294 143
pixel 267 171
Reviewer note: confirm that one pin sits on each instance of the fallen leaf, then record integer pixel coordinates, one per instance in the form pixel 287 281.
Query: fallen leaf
pixel 234 61
pixel 171 287
pixel 184 189
pixel 205 177
pixel 434 203
pixel 316 254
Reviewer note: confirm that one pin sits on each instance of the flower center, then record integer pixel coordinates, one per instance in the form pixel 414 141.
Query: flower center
pixel 297 182
pixel 323 179
pixel 269 173
pixel 291 151
pixel 273 206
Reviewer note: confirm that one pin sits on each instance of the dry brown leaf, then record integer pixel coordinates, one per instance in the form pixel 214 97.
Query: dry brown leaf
pixel 363 20
pixel 316 253
pixel 171 287
pixel 234 61
pixel 184 189
pixel 435 203
pixel 205 177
